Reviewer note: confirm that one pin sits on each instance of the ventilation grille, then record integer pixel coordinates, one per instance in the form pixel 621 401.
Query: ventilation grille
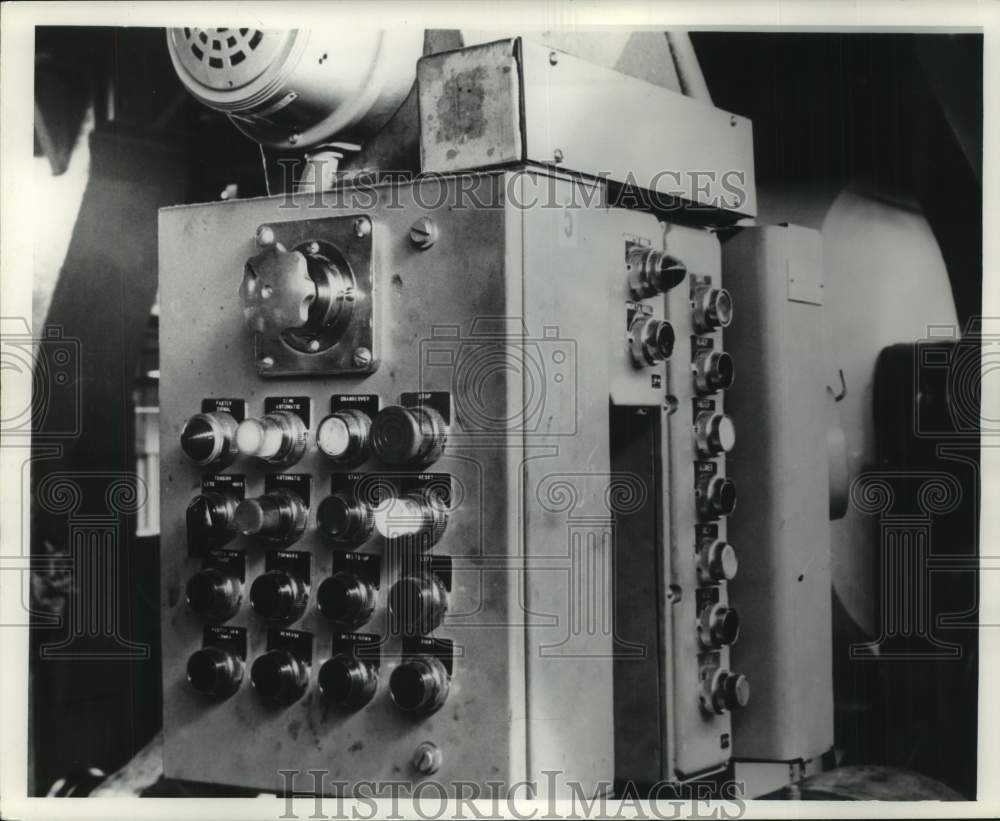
pixel 222 48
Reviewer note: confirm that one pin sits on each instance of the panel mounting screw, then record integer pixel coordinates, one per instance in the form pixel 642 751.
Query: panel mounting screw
pixel 266 362
pixel 553 57
pixel 265 235
pixel 362 227
pixel 313 345
pixel 312 248
pixel 293 139
pixel 558 155
pixel 424 233
pixel 426 758
pixel 362 357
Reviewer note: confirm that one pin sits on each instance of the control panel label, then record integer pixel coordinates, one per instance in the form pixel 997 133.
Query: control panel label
pixel 442 649
pixel 299 405
pixel 365 402
pixel 297 642
pixel 700 344
pixel 237 408
pixel 296 562
pixel 232 484
pixel 299 483
pixel 706 532
pixel 233 639
pixel 231 562
pixel 366 566
pixel 439 400
pixel 365 646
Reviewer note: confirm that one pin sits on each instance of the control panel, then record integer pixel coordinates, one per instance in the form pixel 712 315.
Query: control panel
pixel 405 533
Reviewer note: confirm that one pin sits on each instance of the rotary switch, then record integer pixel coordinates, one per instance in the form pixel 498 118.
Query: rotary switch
pixel 714 433
pixel 214 595
pixel 302 297
pixel 279 677
pixel 412 436
pixel 716 496
pixel 713 371
pixel 717 562
pixel 418 518
pixel 348 682
pixel 211 521
pixel 343 436
pixel 712 309
pixel 718 626
pixel 346 599
pixel 278 596
pixel 278 516
pixel 419 684
pixel 214 671
pixel 209 439
pixel 343 519
pixel 418 603
pixel 278 439
pixel 725 691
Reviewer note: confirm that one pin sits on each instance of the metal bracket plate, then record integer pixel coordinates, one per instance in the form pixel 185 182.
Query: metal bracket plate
pixel 355 352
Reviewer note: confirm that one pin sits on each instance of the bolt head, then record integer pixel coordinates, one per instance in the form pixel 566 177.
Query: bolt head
pixel 426 758
pixel 362 227
pixel 362 357
pixel 265 235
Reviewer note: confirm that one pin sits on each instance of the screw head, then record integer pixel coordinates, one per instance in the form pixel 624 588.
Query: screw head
pixel 426 758
pixel 362 357
pixel 558 155
pixel 313 345
pixel 553 57
pixel 266 362
pixel 362 227
pixel 424 233
pixel 265 235
pixel 312 248
pixel 293 139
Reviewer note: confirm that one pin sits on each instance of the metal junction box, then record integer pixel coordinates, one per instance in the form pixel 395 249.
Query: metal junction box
pixel 441 496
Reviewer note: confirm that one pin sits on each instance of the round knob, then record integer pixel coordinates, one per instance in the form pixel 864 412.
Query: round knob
pixel 277 291
pixel 713 308
pixel 716 497
pixel 419 684
pixel 343 519
pixel 717 562
pixel 214 595
pixel 651 340
pixel 714 433
pixel 279 676
pixel 278 438
pixel 418 519
pixel 418 603
pixel 279 597
pixel 209 439
pixel 211 521
pixel 653 272
pixel 346 599
pixel 727 691
pixel 343 436
pixel 408 436
pixel 215 672
pixel 718 626
pixel 278 516
pixel 713 371
pixel 348 682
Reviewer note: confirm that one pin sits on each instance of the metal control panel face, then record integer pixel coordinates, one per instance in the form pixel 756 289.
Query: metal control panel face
pixel 386 544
